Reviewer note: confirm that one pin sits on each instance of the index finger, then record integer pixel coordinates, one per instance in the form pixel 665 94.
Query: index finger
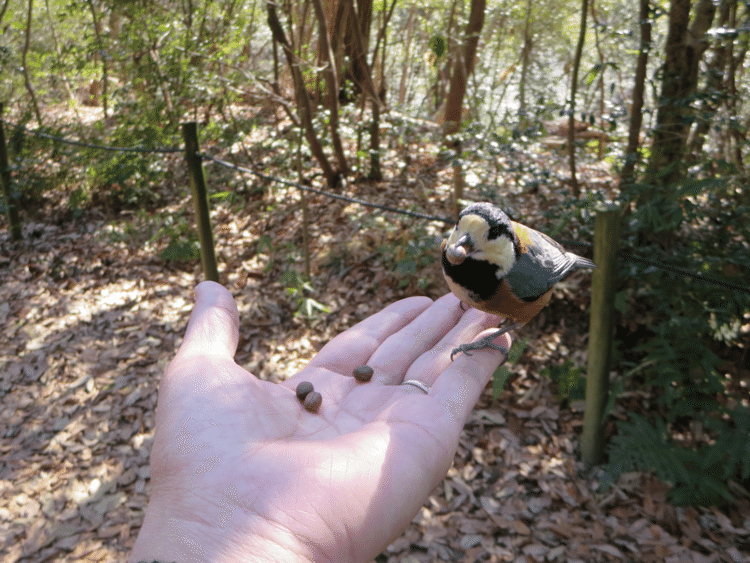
pixel 459 386
pixel 355 346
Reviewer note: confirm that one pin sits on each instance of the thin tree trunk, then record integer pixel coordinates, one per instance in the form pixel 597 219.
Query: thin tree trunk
pixel 444 71
pixel 26 76
pixel 332 87
pixel 715 73
pixel 525 60
pixel 573 90
pixel 101 55
pixel 684 48
pixel 407 58
pixel 739 137
pixel 58 54
pixel 464 66
pixel 600 87
pixel 304 106
pixel 636 109
pixel 380 48
pixel 5 9
pixel 462 69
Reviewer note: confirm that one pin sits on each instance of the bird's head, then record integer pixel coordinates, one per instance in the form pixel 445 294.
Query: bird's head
pixel 483 232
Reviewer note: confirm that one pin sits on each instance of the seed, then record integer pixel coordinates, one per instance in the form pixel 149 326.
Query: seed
pixel 303 389
pixel 363 374
pixel 313 401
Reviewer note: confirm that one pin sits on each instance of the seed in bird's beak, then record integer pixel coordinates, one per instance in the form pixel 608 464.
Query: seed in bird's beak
pixel 456 254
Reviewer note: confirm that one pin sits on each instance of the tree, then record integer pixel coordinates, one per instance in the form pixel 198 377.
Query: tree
pixel 573 91
pixel 686 43
pixel 528 43
pixel 636 108
pixel 462 69
pixel 304 103
pixel 24 57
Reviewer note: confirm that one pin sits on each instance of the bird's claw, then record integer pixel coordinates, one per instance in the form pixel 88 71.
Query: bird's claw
pixel 486 342
pixel 479 345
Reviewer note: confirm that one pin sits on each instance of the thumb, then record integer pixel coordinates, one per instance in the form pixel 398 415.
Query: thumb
pixel 213 329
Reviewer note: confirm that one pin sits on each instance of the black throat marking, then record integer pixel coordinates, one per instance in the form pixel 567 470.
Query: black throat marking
pixel 478 276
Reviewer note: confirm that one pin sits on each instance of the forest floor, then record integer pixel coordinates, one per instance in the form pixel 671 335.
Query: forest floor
pixel 90 315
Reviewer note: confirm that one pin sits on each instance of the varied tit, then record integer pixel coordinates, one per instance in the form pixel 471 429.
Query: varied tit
pixel 502 267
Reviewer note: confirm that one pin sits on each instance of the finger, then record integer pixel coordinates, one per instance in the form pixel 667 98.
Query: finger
pixel 459 386
pixel 213 329
pixel 355 346
pixel 392 359
pixel 428 367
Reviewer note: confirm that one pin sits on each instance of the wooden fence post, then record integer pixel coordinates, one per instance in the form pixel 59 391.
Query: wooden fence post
pixel 200 200
pixel 14 220
pixel 606 242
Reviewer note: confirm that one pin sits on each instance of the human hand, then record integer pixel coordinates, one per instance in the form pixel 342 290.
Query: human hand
pixel 242 472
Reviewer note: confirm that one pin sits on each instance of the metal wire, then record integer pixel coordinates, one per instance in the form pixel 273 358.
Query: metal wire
pixel 448 221
pixel 622 254
pixel 37 133
pixel 682 271
pixel 329 194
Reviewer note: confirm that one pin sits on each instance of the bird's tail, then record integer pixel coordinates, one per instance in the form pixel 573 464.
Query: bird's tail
pixel 582 263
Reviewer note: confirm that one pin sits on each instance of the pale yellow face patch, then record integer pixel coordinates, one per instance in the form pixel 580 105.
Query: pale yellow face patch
pixel 498 251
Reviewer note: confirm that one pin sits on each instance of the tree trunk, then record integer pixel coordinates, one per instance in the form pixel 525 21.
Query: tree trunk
pixel 332 87
pixel 4 10
pixel 573 90
pixel 464 65
pixel 739 136
pixel 525 60
pixel 714 78
pixel 100 56
pixel 407 58
pixel 304 105
pixel 358 40
pixel 636 110
pixel 462 69
pixel 443 68
pixel 685 46
pixel 602 72
pixel 26 77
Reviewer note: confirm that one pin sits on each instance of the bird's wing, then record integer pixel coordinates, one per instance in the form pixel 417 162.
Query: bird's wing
pixel 543 263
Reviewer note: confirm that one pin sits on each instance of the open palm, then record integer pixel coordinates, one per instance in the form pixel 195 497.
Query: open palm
pixel 242 472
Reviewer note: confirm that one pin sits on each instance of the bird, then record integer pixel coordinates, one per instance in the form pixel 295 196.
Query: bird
pixel 502 267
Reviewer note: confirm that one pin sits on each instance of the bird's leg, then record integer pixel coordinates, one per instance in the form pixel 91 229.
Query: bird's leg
pixel 486 342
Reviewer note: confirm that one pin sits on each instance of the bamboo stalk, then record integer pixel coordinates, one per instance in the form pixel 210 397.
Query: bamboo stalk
pixel 200 200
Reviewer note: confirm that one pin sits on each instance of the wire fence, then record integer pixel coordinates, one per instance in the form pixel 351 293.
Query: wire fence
pixel 73 142
pixel 331 195
pixel 624 254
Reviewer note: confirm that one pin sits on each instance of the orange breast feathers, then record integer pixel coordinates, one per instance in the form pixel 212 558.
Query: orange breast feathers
pixel 506 304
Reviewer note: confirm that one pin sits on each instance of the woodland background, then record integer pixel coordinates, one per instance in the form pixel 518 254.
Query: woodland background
pixel 544 108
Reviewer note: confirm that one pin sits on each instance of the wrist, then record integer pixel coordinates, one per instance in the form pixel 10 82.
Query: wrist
pixel 168 538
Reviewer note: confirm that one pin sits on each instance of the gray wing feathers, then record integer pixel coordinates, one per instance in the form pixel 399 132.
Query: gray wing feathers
pixel 541 267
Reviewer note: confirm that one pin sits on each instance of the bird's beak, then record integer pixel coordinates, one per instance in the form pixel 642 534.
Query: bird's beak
pixel 457 253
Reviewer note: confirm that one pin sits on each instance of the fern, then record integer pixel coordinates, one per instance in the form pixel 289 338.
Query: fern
pixel 698 477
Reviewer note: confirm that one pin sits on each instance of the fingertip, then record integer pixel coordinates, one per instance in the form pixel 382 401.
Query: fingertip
pixel 213 327
pixel 209 292
pixel 503 340
pixel 417 301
